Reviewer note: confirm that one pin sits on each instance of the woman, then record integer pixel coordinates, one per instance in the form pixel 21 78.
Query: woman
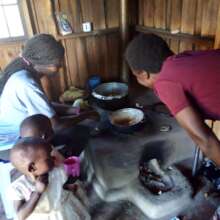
pixel 21 92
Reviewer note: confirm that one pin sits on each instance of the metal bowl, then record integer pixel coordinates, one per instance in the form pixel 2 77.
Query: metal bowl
pixel 110 91
pixel 126 118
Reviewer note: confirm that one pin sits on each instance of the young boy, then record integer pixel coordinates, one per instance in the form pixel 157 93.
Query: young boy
pixel 38 193
pixel 39 126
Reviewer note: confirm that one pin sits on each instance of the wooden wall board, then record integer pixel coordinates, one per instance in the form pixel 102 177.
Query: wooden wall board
pixel 160 14
pixel 195 17
pixel 141 12
pixel 149 11
pixel 209 18
pixel 112 13
pixel 217 33
pixel 8 52
pixel 198 19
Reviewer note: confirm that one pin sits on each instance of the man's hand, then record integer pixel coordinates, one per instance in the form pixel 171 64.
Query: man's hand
pixel 41 183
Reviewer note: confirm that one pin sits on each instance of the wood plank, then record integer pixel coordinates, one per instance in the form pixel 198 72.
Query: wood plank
pixel 103 57
pixel 176 13
pixel 112 13
pixel 92 33
pixel 160 14
pixel 69 56
pixel 74 71
pixel 149 10
pixel 175 45
pixel 180 36
pixel 141 12
pixel 81 61
pixel 210 15
pixel 168 13
pixel 27 18
pixel 86 9
pixel 8 52
pixel 217 34
pixel 114 57
pixel 133 14
pixel 188 16
pixel 44 17
pixel 92 55
pixel 188 22
pixel 98 12
pixel 198 21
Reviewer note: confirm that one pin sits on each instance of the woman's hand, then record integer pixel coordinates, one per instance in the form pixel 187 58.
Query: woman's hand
pixel 91 114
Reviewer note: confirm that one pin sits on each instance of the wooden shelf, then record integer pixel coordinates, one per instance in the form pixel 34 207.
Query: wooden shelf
pixel 181 36
pixel 88 34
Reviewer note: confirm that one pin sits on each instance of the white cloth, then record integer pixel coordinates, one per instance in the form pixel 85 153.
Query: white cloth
pixel 55 203
pixel 22 96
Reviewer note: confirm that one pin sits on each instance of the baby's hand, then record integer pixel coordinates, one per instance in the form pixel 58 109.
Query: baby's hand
pixel 41 183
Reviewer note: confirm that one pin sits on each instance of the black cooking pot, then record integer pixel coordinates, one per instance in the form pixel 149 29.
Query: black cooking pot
pixel 111 96
pixel 127 120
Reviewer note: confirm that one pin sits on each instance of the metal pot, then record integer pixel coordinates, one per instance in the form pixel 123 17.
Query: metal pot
pixel 111 96
pixel 127 119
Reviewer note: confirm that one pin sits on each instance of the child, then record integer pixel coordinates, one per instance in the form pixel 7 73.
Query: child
pixel 38 194
pixel 40 126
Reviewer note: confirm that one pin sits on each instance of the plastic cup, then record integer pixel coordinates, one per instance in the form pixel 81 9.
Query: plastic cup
pixel 72 166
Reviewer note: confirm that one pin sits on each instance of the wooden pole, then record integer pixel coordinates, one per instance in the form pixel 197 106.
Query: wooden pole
pixel 124 30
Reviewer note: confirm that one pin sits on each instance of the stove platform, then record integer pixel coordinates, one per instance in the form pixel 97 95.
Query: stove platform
pixel 113 165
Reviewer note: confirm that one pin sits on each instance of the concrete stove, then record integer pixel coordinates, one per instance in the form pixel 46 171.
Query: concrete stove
pixel 114 159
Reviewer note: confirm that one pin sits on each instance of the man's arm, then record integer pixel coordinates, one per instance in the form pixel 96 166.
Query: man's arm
pixel 201 134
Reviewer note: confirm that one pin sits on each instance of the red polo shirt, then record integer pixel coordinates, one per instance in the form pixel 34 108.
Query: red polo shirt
pixel 191 79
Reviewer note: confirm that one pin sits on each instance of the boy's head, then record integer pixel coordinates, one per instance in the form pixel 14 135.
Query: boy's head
pixel 31 156
pixel 36 126
pixel 145 55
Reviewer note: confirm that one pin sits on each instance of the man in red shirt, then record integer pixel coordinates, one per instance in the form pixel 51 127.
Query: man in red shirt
pixel 188 83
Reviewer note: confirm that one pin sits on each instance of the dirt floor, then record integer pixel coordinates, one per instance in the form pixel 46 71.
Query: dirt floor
pixel 205 202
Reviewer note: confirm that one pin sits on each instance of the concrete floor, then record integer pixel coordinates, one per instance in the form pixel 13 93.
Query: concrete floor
pixel 201 208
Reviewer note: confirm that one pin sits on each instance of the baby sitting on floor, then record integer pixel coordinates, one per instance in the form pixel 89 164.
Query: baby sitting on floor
pixel 39 192
pixel 40 126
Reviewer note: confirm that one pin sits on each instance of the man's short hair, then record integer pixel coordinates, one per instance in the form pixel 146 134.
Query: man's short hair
pixel 147 52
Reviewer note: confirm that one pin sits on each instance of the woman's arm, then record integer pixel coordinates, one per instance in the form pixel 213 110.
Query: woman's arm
pixel 64 110
pixel 59 123
pixel 24 209
pixel 201 134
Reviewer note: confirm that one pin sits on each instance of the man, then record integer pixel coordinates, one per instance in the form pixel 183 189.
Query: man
pixel 188 83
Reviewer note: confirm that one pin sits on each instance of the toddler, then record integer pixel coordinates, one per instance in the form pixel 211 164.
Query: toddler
pixel 39 194
pixel 40 126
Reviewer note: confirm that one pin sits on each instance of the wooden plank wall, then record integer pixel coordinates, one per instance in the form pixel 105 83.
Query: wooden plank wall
pixel 85 56
pixel 195 17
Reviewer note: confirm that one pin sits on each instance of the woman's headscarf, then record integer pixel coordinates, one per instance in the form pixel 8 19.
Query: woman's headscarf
pixel 42 49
